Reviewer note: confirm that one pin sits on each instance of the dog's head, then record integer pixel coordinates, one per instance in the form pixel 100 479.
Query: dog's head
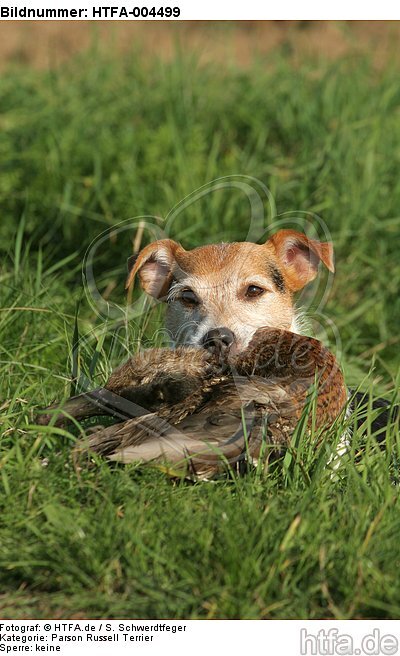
pixel 238 287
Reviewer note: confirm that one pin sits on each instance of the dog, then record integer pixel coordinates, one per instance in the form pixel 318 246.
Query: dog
pixel 219 295
pixel 225 292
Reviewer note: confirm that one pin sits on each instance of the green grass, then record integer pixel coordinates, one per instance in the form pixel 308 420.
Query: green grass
pixel 96 142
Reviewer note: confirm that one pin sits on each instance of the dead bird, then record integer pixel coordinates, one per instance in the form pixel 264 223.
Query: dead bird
pixel 199 409
pixel 147 382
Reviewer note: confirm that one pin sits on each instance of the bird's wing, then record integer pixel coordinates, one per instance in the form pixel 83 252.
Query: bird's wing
pixel 233 424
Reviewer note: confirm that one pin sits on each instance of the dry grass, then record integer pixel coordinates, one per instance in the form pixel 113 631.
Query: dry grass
pixel 49 43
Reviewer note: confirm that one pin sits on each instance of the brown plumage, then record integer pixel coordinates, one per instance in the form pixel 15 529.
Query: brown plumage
pixel 190 410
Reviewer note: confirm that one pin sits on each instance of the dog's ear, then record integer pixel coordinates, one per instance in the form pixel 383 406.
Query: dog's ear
pixel 153 265
pixel 300 256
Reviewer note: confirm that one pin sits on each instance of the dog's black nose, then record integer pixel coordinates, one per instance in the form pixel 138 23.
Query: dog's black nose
pixel 218 340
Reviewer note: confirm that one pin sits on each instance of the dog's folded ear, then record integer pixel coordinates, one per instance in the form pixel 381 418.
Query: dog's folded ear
pixel 154 265
pixel 299 256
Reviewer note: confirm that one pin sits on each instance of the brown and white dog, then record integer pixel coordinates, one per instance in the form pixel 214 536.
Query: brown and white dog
pixel 218 295
pixel 225 292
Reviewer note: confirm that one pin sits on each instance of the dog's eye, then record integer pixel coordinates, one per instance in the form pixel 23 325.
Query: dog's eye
pixel 253 291
pixel 188 298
